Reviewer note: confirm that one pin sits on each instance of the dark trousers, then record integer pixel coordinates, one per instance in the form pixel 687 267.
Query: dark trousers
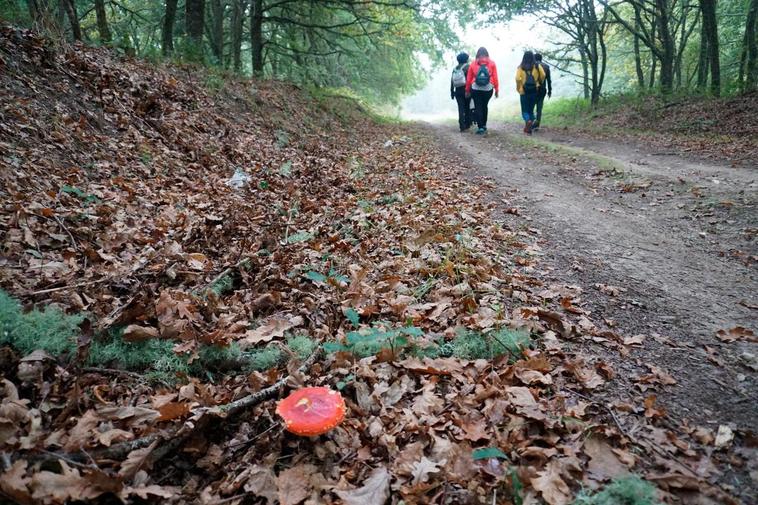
pixel 541 94
pixel 464 108
pixel 528 101
pixel 481 99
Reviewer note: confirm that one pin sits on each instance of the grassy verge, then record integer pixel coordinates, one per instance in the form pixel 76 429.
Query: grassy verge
pixel 609 166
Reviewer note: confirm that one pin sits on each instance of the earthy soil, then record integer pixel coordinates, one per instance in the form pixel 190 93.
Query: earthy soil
pixel 676 236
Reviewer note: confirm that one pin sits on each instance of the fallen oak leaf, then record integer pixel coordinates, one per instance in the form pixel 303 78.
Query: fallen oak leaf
pixel 136 460
pixel 737 333
pixel 295 484
pixel 108 437
pixel 136 333
pixel 634 340
pixel 422 469
pixel 603 464
pixel 551 486
pixel 173 410
pixel 146 491
pixel 375 490
pixel 15 484
pixel 275 326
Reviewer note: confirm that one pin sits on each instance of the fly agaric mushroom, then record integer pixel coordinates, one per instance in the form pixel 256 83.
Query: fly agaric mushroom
pixel 311 411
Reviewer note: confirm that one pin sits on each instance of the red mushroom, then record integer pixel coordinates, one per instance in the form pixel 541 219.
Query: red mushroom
pixel 311 411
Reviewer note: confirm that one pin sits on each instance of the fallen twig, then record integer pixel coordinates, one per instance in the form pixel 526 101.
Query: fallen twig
pixel 64 288
pixel 227 271
pixel 174 438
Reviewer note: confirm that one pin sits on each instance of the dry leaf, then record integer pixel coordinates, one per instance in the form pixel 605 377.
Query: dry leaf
pixel 375 490
pixel 551 486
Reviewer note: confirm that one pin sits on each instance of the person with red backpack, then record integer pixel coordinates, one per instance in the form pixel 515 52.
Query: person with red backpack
pixel 529 78
pixel 481 82
pixel 458 91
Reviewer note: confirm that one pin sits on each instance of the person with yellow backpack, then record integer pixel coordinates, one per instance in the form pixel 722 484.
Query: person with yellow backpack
pixel 529 78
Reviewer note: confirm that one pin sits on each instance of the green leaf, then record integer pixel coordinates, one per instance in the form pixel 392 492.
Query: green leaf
pixel 518 487
pixel 352 315
pixel 337 276
pixel 488 452
pixel 344 382
pixel 286 169
pixel 355 337
pixel 302 236
pixel 315 276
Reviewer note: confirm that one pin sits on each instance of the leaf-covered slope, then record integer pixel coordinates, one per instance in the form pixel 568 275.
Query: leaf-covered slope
pixel 115 204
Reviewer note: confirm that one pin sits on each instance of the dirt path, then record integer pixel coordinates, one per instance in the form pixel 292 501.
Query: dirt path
pixel 678 238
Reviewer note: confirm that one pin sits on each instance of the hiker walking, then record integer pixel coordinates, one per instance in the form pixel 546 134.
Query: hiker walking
pixel 529 78
pixel 458 91
pixel 545 89
pixel 481 82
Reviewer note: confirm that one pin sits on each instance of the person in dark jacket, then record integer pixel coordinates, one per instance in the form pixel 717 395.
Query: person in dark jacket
pixel 545 90
pixel 458 92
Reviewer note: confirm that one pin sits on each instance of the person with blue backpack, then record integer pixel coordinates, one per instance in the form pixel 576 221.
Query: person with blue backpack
pixel 481 82
pixel 529 78
pixel 458 92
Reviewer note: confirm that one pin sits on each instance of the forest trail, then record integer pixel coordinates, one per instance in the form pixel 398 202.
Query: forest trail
pixel 660 246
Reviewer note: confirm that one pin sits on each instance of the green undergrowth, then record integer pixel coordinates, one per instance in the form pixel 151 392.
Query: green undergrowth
pixel 50 329
pixel 410 341
pixel 348 106
pixel 56 333
pixel 157 359
pixel 579 112
pixel 628 490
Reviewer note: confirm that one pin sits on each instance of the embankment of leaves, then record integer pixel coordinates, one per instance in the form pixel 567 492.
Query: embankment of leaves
pixel 119 203
pixel 716 128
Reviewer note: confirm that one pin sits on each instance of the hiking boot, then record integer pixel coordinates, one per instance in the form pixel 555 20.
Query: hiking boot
pixel 528 127
pixel 481 131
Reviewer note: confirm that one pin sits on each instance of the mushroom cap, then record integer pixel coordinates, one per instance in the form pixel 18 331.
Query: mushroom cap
pixel 312 411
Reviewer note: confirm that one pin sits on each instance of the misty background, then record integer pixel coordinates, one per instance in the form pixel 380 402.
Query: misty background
pixel 506 44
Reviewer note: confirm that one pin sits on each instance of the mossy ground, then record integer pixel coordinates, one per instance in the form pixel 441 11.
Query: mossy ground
pixel 629 490
pixel 56 333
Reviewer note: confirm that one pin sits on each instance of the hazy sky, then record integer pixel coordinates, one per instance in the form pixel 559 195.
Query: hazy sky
pixel 506 44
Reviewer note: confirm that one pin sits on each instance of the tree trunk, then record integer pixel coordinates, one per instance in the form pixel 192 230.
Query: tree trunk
pixel 238 24
pixel 710 30
pixel 702 61
pixel 195 24
pixel 37 9
pixel 751 47
pixel 585 75
pixel 667 46
pixel 256 36
pixel 168 28
pixel 102 22
pixel 637 57
pixel 217 31
pixel 73 18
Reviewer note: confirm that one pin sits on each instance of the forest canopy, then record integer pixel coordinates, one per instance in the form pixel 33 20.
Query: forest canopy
pixel 372 47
